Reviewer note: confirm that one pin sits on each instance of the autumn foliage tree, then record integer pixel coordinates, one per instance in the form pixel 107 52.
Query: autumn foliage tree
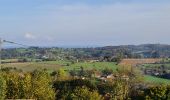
pixel 161 92
pixel 36 85
pixel 2 88
pixel 84 93
pixel 42 86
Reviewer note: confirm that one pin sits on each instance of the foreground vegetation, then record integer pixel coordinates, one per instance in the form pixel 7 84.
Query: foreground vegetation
pixel 34 85
pixel 42 85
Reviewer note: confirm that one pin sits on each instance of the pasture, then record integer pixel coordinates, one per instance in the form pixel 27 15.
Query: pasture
pixel 66 65
pixel 156 80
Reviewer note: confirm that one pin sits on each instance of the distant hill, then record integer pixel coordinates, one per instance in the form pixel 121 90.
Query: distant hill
pixel 145 50
pixel 107 52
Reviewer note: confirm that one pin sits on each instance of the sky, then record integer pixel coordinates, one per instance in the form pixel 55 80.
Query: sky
pixel 85 23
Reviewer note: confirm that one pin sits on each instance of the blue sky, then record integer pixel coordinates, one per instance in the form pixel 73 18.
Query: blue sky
pixel 85 22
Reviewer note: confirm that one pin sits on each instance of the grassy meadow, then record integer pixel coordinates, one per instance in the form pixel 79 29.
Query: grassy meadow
pixel 152 79
pixel 66 65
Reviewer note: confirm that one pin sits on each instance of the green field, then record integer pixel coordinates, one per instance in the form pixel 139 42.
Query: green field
pixel 94 65
pixel 54 65
pixel 152 79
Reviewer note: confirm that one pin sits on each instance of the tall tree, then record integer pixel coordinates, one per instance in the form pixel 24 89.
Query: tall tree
pixel 2 88
pixel 42 87
pixel 84 93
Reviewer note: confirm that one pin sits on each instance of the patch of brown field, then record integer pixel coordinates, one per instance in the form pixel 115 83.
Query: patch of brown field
pixel 134 62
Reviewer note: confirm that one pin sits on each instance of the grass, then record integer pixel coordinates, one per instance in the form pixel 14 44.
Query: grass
pixel 94 65
pixel 152 79
pixel 55 65
pixel 30 66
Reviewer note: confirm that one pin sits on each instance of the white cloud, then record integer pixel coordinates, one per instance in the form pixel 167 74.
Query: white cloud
pixel 30 36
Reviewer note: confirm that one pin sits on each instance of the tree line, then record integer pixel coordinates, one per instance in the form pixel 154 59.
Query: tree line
pixel 103 53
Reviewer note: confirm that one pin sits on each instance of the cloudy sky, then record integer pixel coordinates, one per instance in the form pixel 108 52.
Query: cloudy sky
pixel 85 22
